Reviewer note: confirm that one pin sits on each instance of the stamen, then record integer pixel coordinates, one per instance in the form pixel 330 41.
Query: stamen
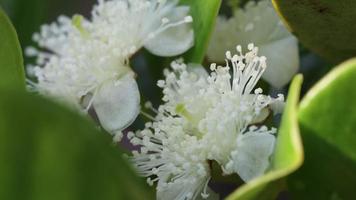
pixel 165 26
pixel 148 105
pixel 213 67
pixel 205 193
pixel 147 115
pixel 165 20
pixel 31 52
pixel 250 46
pixel 77 22
pixel 228 55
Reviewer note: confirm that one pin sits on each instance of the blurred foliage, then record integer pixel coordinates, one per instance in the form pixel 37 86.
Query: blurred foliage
pixel 11 62
pixel 48 152
pixel 325 26
pixel 27 16
pixel 327 121
pixel 288 154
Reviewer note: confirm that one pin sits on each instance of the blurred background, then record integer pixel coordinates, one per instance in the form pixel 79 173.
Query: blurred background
pixel 27 16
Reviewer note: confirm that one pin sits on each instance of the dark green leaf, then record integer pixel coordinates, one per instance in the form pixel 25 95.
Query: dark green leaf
pixel 325 26
pixel 204 14
pixel 11 61
pixel 327 120
pixel 26 16
pixel 48 152
pixel 288 154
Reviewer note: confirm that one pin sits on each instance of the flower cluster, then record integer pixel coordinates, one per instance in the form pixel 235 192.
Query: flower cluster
pixel 258 23
pixel 207 117
pixel 85 62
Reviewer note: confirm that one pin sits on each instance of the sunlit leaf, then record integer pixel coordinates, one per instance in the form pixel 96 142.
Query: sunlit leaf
pixel 327 119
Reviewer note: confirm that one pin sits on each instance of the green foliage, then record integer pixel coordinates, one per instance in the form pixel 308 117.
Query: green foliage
pixel 11 62
pixel 325 26
pixel 288 154
pixel 327 119
pixel 204 15
pixel 48 152
pixel 26 16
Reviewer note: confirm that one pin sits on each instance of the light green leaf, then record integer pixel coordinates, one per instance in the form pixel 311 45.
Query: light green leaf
pixel 204 15
pixel 11 61
pixel 48 152
pixel 288 154
pixel 327 120
pixel 325 26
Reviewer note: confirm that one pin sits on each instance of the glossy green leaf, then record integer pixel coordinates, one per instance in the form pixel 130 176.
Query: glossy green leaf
pixel 204 15
pixel 48 152
pixel 327 120
pixel 11 61
pixel 288 154
pixel 325 26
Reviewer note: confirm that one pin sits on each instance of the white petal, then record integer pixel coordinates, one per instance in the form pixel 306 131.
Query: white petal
pixel 175 40
pixel 253 152
pixel 277 107
pixel 258 24
pixel 117 103
pixel 282 61
pixel 264 113
pixel 198 69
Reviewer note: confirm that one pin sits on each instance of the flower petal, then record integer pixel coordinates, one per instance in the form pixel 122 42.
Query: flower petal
pixel 258 23
pixel 117 103
pixel 174 40
pixel 263 115
pixel 253 152
pixel 277 107
pixel 282 61
pixel 198 69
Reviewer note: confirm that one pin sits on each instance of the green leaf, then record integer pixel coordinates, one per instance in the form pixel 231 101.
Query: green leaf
pixel 325 26
pixel 11 61
pixel 288 154
pixel 204 15
pixel 327 120
pixel 48 152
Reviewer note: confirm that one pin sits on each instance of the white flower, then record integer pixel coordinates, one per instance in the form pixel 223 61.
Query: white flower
pixel 172 155
pixel 260 24
pixel 207 117
pixel 160 26
pixel 86 62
